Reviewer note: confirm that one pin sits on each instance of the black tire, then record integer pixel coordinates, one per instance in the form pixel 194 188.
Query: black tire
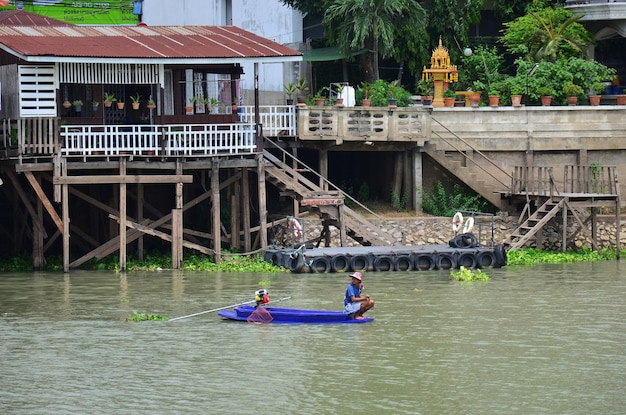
pixel 424 262
pixel 501 257
pixel 359 263
pixel 320 265
pixel 403 263
pixel 467 240
pixel 454 242
pixel 340 263
pixel 467 260
pixel 383 263
pixel 486 259
pixel 446 261
pixel 295 263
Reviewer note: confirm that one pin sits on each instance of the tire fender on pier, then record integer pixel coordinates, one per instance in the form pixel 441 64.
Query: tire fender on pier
pixel 403 263
pixel 424 262
pixel 467 260
pixel 359 263
pixel 486 259
pixel 446 261
pixel 320 265
pixel 501 257
pixel 340 263
pixel 295 262
pixel 383 263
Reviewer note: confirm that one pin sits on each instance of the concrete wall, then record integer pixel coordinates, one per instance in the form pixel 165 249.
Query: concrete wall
pixel 267 18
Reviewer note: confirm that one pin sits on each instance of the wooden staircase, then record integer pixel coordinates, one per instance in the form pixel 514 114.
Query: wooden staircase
pixel 535 222
pixel 328 204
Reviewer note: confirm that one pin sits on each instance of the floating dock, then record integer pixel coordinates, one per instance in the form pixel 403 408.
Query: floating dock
pixel 386 258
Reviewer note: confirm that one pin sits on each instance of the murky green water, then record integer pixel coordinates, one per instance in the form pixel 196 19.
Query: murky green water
pixel 534 340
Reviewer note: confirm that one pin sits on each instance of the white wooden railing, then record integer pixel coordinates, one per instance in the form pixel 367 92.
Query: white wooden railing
pixel 168 140
pixel 275 119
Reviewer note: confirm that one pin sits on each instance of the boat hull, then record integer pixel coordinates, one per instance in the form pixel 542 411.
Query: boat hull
pixel 295 316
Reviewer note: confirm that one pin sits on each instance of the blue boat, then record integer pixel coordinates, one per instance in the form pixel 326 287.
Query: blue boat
pixel 292 316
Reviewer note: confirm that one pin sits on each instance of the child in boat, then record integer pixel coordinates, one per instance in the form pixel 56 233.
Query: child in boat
pixel 353 302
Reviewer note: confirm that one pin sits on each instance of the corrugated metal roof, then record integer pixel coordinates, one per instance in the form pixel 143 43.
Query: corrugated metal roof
pixel 141 42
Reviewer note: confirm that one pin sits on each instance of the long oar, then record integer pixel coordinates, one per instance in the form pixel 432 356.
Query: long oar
pixel 224 308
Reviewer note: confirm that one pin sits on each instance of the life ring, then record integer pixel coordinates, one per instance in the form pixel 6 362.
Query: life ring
pixel 320 265
pixel 457 221
pixel 339 263
pixel 296 228
pixel 359 263
pixel 467 260
pixel 403 263
pixel 383 263
pixel 424 262
pixel 486 259
pixel 469 225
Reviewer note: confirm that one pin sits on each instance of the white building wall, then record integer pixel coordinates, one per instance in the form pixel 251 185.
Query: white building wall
pixel 267 18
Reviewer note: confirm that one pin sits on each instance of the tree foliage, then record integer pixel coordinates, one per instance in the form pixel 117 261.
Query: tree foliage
pixel 371 24
pixel 547 34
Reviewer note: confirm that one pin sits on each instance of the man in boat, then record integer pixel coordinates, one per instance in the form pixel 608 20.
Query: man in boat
pixel 354 303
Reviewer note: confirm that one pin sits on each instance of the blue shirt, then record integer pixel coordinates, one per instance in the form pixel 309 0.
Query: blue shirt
pixel 351 291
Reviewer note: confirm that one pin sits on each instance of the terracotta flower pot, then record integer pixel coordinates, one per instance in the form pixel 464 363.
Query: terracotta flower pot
pixel 571 101
pixel 120 105
pixel 594 99
pixel 621 99
pixel 339 102
pixel 320 101
pixel 448 102
pixel 546 100
pixel 494 101
pixel 474 99
pixel 516 100
pixel 367 102
pixel 135 105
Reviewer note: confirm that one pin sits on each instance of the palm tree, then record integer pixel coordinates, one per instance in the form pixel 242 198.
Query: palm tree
pixel 550 39
pixel 370 24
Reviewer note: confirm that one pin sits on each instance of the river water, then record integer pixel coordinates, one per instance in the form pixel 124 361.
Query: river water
pixel 548 339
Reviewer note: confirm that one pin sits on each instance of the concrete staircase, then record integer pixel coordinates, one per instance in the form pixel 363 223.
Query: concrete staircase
pixel 327 204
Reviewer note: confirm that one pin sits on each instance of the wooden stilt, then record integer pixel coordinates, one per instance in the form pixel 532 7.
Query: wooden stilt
pixel 123 216
pixel 140 202
pixel 65 209
pixel 262 202
pixel 177 238
pixel 245 206
pixel 215 212
pixel 38 253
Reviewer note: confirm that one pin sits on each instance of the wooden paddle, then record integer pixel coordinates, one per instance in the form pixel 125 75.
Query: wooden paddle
pixel 224 308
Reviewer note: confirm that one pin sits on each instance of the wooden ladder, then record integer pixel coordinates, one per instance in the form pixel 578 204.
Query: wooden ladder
pixel 535 222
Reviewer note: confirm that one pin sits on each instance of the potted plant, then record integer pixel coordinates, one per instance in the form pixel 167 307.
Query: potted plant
pixel 78 105
pixel 204 103
pixel 136 100
pixel 302 87
pixel 366 88
pixel 597 88
pixel 151 104
pixel 320 97
pixel 392 90
pixel 67 104
pixel 95 105
pixel 517 90
pixel 476 92
pixel 340 87
pixel 572 91
pixel 545 92
pixel 424 88
pixel 120 104
pixel 212 104
pixel 449 96
pixel 190 104
pixel 290 89
pixel 109 99
pixel 494 97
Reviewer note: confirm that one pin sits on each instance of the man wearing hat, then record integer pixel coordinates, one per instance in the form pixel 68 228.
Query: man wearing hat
pixel 356 305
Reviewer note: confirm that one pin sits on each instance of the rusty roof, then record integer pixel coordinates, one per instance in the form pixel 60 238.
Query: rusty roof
pixel 36 38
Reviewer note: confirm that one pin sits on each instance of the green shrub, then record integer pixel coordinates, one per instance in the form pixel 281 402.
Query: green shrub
pixel 440 202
